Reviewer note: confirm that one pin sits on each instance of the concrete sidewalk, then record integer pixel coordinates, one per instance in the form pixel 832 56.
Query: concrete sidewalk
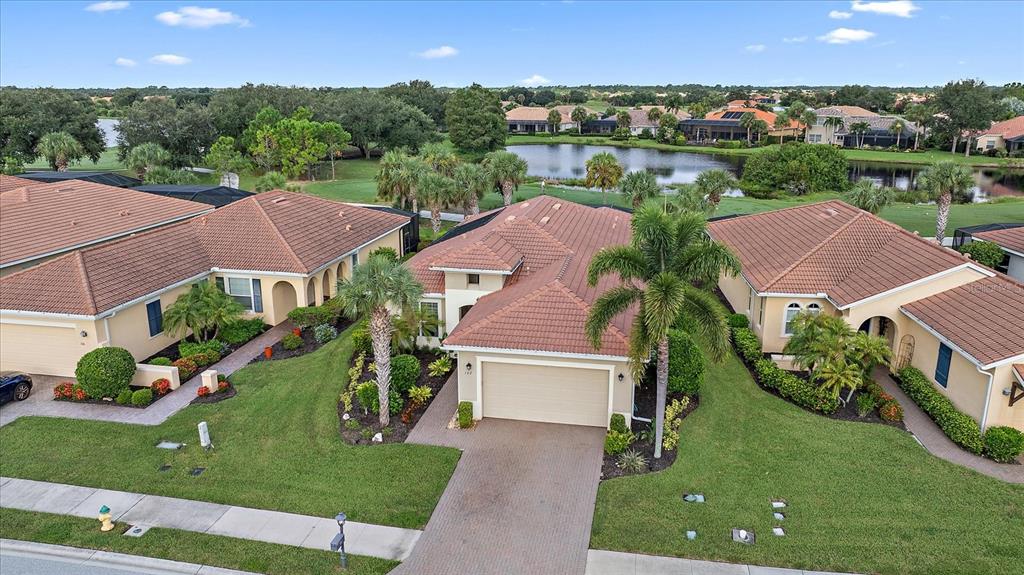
pixel 615 563
pixel 203 517
pixel 30 557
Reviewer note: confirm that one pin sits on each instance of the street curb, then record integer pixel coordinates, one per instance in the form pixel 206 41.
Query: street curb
pixel 108 558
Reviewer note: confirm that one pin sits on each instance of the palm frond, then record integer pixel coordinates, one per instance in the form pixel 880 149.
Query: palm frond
pixel 705 261
pixel 627 261
pixel 605 308
pixel 709 318
pixel 663 299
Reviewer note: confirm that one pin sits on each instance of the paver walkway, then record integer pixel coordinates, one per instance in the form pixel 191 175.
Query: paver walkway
pixel 937 443
pixel 242 522
pixel 520 501
pixel 41 401
pixel 30 558
pixel 615 563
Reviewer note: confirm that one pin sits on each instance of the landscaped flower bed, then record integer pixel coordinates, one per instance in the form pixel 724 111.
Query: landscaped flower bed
pixel 140 397
pixel 305 341
pixel 104 377
pixel 224 391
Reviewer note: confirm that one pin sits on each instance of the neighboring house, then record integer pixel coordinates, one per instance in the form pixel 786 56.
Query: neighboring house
pixel 725 125
pixel 533 119
pixel 271 252
pixel 957 321
pixel 638 121
pixel 41 221
pixel 511 289
pixel 825 131
pixel 1011 240
pixel 1007 135
pixel 106 178
pixel 214 195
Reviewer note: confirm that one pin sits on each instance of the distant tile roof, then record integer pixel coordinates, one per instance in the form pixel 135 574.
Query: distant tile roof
pixel 984 318
pixel 545 302
pixel 48 219
pixel 1010 238
pixel 876 124
pixel 540 114
pixel 768 117
pixel 831 248
pixel 1008 129
pixel 274 231
pixel 844 111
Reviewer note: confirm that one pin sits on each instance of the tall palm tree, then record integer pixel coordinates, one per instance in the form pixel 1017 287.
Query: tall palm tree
pixel 858 129
pixel 375 288
pixel 780 124
pixel 896 128
pixel 59 149
pixel 713 184
pixel 674 103
pixel 397 178
pixel 623 119
pixel 944 181
pixel 471 182
pixel 579 115
pixel 836 123
pixel 440 158
pixel 869 197
pixel 638 187
pixel 808 119
pixel 554 120
pixel 147 156
pixel 506 170
pixel 747 120
pixel 653 115
pixel 668 256
pixel 436 192
pixel 920 115
pixel 603 171
pixel 760 128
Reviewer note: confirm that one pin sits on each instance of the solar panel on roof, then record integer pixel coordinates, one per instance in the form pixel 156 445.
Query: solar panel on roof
pixel 732 115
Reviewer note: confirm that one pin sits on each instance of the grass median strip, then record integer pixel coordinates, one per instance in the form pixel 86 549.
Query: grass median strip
pixel 186 546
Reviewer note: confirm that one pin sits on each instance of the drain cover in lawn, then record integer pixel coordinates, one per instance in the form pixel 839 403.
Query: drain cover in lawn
pixel 778 532
pixel 197 471
pixel 778 504
pixel 743 536
pixel 693 497
pixel 778 516
pixel 691 535
pixel 164 467
pixel 169 445
pixel 136 530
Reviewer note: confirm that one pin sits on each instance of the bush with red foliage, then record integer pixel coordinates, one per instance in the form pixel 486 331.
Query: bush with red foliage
pixel 203 391
pixel 161 386
pixel 63 390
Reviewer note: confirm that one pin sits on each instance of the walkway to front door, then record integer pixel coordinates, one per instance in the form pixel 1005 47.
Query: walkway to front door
pixel 520 501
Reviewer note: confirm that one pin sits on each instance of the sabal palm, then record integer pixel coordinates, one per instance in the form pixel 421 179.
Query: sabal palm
pixel 145 156
pixel 398 176
pixel 59 149
pixel 375 288
pixel 554 120
pixel 603 171
pixel 638 187
pixel 869 197
pixel 668 256
pixel 579 115
pixel 920 115
pixel 943 181
pixel 747 123
pixel 858 129
pixel 653 115
pixel 713 184
pixel 506 170
pixel 436 192
pixel 471 182
pixel 836 123
pixel 440 158
pixel 896 129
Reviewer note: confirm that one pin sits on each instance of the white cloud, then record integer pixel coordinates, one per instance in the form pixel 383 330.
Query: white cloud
pixel 170 59
pixel 846 36
pixel 439 52
pixel 126 62
pixel 196 17
pixel 535 80
pixel 840 15
pixel 754 48
pixel 795 39
pixel 106 6
pixel 901 8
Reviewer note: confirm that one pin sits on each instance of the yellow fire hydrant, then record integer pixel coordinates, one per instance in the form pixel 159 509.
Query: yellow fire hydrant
pixel 104 518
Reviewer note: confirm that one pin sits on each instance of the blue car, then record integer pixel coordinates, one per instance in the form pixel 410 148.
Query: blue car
pixel 14 385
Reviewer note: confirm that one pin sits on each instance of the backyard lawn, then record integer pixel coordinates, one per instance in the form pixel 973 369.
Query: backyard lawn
pixel 176 545
pixel 861 497
pixel 277 446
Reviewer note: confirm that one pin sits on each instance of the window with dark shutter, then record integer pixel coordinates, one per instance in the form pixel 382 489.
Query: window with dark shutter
pixel 156 317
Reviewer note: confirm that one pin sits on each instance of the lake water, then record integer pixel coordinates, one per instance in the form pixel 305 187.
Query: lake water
pixel 568 161
pixel 108 128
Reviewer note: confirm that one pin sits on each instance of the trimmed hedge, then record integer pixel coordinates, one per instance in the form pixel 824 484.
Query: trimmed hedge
pixel 105 372
pixel 361 340
pixel 957 425
pixel 211 348
pixel 685 364
pixel 142 397
pixel 618 423
pixel 405 370
pixel 1003 444
pixel 797 390
pixel 242 330
pixel 465 414
pixel 738 320
pixel 305 317
pixel 166 361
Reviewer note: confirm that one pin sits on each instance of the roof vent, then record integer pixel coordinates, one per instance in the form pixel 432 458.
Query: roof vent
pixel 278 200
pixel 526 204
pixel 545 219
pixel 831 212
pixel 341 213
pixel 556 206
pixel 123 213
pixel 348 227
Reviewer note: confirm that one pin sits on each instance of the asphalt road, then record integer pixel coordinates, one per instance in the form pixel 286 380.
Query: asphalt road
pixel 22 565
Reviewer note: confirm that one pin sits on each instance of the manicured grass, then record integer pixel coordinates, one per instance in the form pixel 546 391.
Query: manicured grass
pixel 277 447
pixel 356 183
pixel 177 545
pixel 108 162
pixel 861 497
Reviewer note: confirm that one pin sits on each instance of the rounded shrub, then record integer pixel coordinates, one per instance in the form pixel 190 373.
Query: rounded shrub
pixel 290 341
pixel 685 364
pixel 615 442
pixel 1003 444
pixel 618 423
pixel 405 370
pixel 161 361
pixel 186 368
pixel 324 333
pixel 105 372
pixel 124 398
pixel 361 340
pixel 738 320
pixel 142 396
pixel 366 393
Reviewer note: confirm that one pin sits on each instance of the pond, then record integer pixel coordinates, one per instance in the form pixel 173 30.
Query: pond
pixel 108 129
pixel 568 161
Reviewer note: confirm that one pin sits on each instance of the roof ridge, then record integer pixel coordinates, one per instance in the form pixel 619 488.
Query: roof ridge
pixel 277 232
pixel 86 285
pixel 487 320
pixel 821 245
pixel 585 307
pixel 918 238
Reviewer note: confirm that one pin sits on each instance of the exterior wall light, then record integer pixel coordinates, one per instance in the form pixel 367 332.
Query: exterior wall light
pixel 83 333
pixel 621 378
pixel 469 367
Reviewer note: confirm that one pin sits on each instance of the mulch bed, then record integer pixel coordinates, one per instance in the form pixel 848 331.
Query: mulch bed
pixel 171 351
pixel 309 344
pixel 215 397
pixel 645 400
pixel 156 398
pixel 399 429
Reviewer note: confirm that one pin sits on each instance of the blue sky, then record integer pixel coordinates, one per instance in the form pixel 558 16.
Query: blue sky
pixel 192 43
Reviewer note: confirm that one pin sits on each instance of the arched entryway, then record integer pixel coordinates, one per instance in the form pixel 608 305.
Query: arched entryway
pixel 341 272
pixel 883 327
pixel 311 292
pixel 326 285
pixel 284 299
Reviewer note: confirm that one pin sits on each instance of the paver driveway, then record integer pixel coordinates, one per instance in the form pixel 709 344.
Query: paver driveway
pixel 520 501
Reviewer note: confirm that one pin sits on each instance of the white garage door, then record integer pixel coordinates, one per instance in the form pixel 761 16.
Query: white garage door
pixel 47 350
pixel 544 393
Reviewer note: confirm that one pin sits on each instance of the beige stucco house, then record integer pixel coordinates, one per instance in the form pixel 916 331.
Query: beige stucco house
pixel 1007 135
pixel 959 322
pixel 271 252
pixel 510 286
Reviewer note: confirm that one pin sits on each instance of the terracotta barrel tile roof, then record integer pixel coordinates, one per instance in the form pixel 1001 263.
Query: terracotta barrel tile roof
pixel 1010 238
pixel 12 182
pixel 1008 129
pixel 844 111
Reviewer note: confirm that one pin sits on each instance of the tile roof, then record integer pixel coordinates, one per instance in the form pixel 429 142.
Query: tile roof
pixel 844 111
pixel 876 123
pixel 984 318
pixel 831 248
pixel 274 231
pixel 545 303
pixel 491 253
pixel 768 117
pixel 1010 238
pixel 40 219
pixel 1008 129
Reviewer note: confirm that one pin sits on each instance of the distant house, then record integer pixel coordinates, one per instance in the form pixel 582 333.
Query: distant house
pixel 725 125
pixel 825 131
pixel 533 119
pixel 105 178
pixel 214 195
pixel 1007 135
pixel 638 121
pixel 1009 237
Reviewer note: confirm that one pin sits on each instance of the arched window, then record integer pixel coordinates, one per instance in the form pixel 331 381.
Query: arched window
pixel 792 310
pixel 813 308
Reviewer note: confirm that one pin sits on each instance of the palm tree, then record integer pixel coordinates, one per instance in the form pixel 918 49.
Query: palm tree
pixel 440 158
pixel 836 123
pixel 808 119
pixel 673 103
pixel 669 254
pixel 653 115
pixel 397 178
pixel 713 184
pixel 638 187
pixel 204 307
pixel 59 149
pixel 374 290
pixel 944 181
pixel 920 115
pixel 579 115
pixel 858 129
pixel 554 120
pixel 834 375
pixel 471 182
pixel 623 119
pixel 603 171
pixel 436 192
pixel 780 124
pixel 869 197
pixel 760 128
pixel 146 156
pixel 747 122
pixel 896 128
pixel 506 170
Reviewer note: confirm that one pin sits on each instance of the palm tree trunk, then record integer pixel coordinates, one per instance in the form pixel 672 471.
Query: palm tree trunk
pixel 953 149
pixel 917 134
pixel 942 216
pixel 506 192
pixel 380 333
pixel 435 219
pixel 661 392
pixel 474 205
pixel 967 148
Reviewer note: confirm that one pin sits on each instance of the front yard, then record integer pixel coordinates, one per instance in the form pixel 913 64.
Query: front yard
pixel 277 446
pixel 861 497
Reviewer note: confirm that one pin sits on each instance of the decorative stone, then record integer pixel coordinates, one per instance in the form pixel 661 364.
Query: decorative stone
pixel 691 535
pixel 778 516
pixel 169 445
pixel 743 536
pixel 378 438
pixel 197 471
pixel 778 504
pixel 778 532
pixel 345 417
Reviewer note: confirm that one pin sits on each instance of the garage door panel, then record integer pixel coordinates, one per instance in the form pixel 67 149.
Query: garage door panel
pixel 548 394
pixel 39 349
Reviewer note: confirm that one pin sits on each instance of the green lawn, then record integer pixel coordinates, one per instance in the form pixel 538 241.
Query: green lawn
pixel 108 162
pixel 177 545
pixel 861 497
pixel 277 447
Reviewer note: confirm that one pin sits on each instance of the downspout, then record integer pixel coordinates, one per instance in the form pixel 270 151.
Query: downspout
pixel 988 397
